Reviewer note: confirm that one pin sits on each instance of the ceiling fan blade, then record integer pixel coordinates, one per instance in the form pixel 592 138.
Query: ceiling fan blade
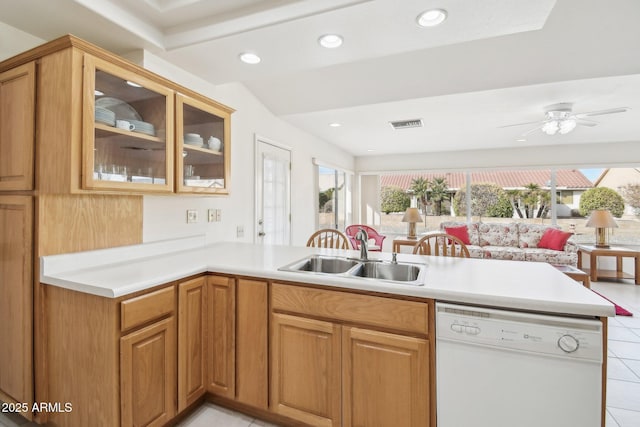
pixel 585 122
pixel 602 112
pixel 532 130
pixel 520 124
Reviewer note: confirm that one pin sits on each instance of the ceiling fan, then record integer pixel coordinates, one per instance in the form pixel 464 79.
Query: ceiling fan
pixel 559 118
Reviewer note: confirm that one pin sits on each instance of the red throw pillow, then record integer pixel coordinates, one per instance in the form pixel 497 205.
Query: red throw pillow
pixel 554 239
pixel 460 232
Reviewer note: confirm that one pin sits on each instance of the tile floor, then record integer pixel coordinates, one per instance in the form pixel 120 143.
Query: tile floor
pixel 623 384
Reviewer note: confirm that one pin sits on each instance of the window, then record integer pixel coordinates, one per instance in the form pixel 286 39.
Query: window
pixel 334 197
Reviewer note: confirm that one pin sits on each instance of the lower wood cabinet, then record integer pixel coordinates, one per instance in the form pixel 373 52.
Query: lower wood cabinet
pixel 385 379
pixel 297 354
pixel 16 299
pixel 330 373
pixel 221 336
pixel 252 343
pixel 148 375
pixel 192 340
pixel 305 370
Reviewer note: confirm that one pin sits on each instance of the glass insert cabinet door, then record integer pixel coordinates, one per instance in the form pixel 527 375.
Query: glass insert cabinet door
pixel 128 130
pixel 202 149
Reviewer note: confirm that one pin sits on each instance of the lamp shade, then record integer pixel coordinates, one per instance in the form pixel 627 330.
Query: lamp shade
pixel 601 218
pixel 412 215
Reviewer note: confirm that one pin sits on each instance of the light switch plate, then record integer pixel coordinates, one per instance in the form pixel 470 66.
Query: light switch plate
pixel 192 216
pixel 211 215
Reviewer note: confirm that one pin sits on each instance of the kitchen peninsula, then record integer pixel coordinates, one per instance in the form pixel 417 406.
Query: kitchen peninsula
pixel 241 324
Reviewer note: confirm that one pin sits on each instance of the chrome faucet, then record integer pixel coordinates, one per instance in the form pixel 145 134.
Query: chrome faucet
pixel 362 237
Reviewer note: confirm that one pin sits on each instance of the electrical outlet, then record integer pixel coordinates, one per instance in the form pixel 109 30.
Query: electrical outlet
pixel 211 215
pixel 240 231
pixel 192 216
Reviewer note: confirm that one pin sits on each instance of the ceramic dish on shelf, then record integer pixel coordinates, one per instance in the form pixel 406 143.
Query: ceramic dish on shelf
pixel 103 115
pixel 193 139
pixel 143 127
pixel 123 110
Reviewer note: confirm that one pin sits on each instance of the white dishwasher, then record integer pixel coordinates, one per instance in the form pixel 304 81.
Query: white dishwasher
pixel 498 368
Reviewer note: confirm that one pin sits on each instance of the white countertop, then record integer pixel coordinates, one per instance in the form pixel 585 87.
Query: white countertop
pixel 115 272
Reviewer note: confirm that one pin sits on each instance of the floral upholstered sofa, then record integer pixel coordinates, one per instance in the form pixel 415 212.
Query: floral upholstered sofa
pixel 514 241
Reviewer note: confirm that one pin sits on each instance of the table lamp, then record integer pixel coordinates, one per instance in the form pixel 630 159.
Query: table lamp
pixel 602 221
pixel 412 215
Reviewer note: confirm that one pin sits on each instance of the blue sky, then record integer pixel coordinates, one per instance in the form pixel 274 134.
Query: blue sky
pixel 592 174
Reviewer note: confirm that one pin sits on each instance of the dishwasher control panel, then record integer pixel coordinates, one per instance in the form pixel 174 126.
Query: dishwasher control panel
pixel 518 331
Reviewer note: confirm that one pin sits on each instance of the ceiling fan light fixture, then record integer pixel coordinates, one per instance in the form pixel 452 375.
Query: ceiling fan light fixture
pixel 567 126
pixel 330 41
pixel 551 127
pixel 431 18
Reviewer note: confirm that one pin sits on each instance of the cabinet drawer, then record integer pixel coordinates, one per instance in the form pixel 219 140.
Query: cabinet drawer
pixel 145 308
pixel 388 313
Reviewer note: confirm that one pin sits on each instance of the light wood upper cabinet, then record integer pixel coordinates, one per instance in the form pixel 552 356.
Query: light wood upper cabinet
pixel 16 307
pixel 192 339
pixel 127 130
pixel 17 127
pixel 202 146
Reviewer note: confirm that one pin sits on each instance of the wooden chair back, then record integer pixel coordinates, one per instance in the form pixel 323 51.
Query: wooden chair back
pixel 329 238
pixel 441 244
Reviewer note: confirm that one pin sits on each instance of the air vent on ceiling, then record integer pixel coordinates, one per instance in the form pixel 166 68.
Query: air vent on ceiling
pixel 406 124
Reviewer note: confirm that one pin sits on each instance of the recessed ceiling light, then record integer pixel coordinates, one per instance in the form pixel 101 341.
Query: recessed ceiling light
pixel 249 58
pixel 98 92
pixel 335 125
pixel 432 17
pixel 521 140
pixel 330 41
pixel 130 83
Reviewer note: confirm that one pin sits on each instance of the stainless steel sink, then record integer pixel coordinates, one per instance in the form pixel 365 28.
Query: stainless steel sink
pixel 322 264
pixel 401 272
pixel 388 271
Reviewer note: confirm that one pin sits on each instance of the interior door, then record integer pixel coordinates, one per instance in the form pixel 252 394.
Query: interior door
pixel 273 193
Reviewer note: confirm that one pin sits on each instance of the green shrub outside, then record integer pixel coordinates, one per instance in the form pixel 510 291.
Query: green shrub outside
pixel 601 198
pixel 394 199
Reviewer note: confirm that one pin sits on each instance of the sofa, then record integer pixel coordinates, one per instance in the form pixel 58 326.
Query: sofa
pixel 513 241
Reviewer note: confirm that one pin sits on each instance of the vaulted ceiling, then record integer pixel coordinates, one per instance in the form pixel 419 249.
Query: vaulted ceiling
pixel 491 63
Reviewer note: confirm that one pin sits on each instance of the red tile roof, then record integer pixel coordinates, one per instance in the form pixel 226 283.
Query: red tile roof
pixel 565 178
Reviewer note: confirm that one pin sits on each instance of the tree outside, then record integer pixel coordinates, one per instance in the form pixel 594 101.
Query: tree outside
pixel 487 199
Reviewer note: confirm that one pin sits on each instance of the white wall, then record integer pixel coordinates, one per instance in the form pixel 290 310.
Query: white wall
pixel 165 217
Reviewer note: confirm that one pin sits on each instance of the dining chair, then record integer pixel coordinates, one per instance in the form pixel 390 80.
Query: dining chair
pixel 329 238
pixel 373 234
pixel 441 244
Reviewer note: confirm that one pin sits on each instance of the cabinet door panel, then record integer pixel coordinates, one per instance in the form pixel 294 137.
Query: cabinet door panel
pixel 17 124
pixel 148 375
pixel 385 379
pixel 191 341
pixel 252 370
pixel 16 298
pixel 221 324
pixel 305 370
pixel 137 154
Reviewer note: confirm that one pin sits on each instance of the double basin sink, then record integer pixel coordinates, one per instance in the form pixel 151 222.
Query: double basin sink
pixel 398 272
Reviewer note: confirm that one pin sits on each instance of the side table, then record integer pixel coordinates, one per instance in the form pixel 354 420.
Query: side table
pixel 614 251
pixel 403 241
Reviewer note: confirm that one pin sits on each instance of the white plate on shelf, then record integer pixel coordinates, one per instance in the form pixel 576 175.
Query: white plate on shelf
pixel 123 110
